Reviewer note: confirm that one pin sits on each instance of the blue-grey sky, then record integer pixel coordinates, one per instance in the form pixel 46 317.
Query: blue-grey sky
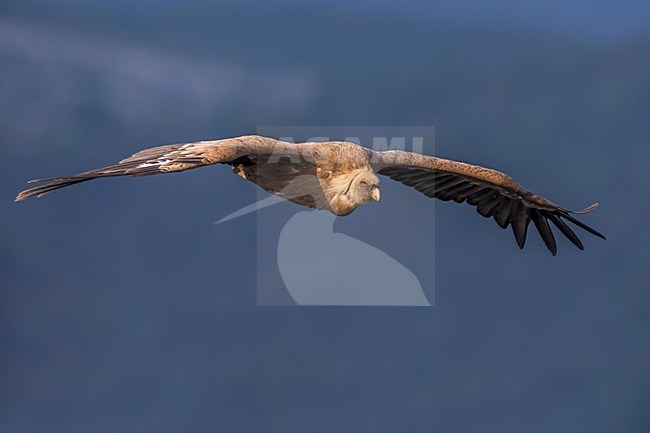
pixel 124 308
pixel 602 19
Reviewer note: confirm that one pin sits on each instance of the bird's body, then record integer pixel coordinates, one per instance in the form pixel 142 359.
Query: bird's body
pixel 340 176
pixel 317 175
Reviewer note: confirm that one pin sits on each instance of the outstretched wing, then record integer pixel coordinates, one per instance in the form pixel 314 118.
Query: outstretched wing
pixel 179 157
pixel 493 193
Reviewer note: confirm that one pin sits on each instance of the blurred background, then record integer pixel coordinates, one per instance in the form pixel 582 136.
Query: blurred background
pixel 124 309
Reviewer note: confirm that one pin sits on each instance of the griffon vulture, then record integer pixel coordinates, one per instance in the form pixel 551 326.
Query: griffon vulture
pixel 339 176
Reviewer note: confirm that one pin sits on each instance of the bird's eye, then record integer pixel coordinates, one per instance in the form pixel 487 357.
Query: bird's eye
pixel 363 184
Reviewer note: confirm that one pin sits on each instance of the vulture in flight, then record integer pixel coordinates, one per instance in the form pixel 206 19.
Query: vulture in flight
pixel 339 176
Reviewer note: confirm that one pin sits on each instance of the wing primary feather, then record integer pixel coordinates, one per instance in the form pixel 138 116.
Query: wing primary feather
pixel 449 183
pixel 461 195
pixel 487 206
pixel 544 230
pixel 421 175
pixel 565 229
pixel 423 186
pixel 479 196
pixel 429 191
pixel 407 178
pixel 502 212
pixel 581 224
pixel 449 193
pixel 519 221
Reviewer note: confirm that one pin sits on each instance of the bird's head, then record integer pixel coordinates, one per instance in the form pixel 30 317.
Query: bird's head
pixel 348 191
pixel 364 188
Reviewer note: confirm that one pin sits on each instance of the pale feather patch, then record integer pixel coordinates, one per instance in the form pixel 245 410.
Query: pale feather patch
pixel 154 163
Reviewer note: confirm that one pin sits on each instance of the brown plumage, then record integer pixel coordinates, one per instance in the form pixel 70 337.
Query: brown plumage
pixel 340 176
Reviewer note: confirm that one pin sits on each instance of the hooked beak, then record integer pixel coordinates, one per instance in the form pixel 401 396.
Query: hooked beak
pixel 376 195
